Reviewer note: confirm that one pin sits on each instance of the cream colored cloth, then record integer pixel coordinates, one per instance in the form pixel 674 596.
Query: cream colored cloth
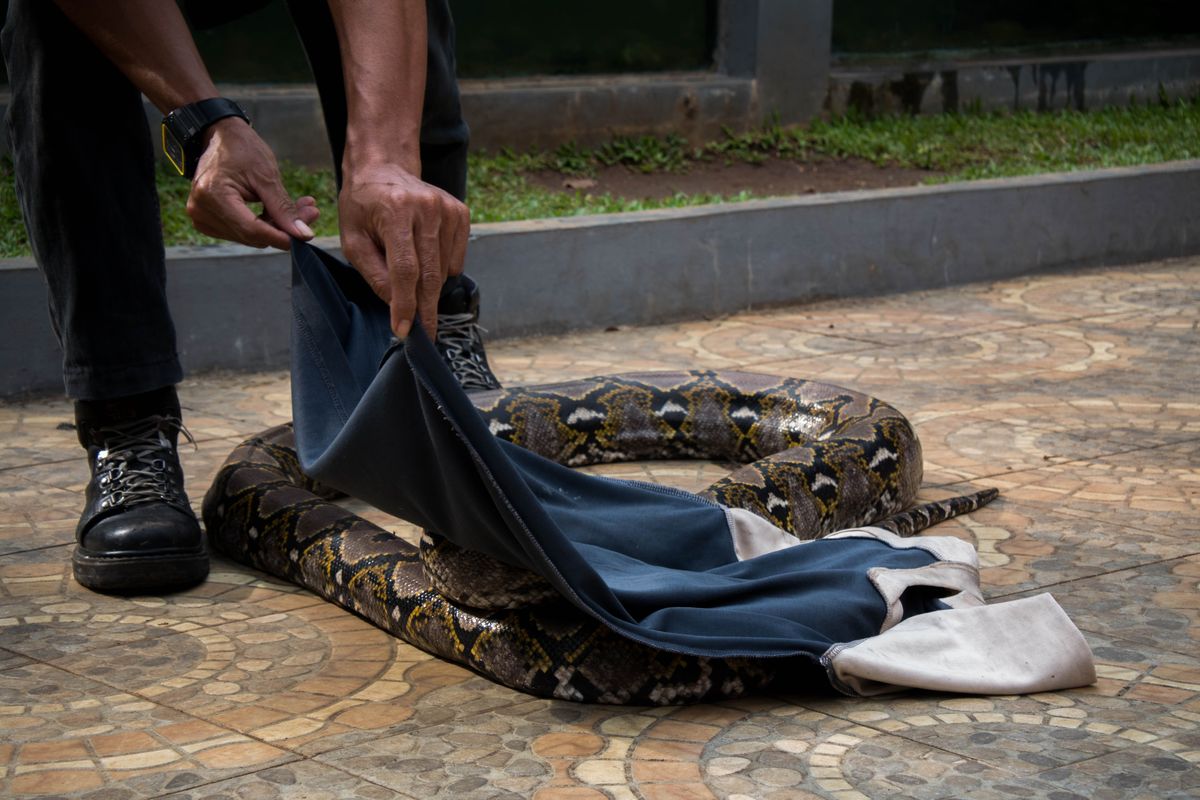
pixel 1017 647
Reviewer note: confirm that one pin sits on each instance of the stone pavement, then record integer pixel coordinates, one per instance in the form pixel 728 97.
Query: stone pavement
pixel 1078 395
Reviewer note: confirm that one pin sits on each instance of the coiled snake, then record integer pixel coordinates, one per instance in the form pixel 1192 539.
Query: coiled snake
pixel 817 458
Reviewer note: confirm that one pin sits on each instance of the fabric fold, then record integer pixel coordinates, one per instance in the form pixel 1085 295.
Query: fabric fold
pixel 1018 647
pixel 387 422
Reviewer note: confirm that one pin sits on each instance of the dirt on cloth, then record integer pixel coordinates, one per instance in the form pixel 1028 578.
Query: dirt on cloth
pixel 772 178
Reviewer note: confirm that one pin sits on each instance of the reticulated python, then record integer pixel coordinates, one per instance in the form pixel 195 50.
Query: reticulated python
pixel 817 458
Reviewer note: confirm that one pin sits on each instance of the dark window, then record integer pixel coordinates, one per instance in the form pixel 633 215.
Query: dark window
pixel 550 37
pixel 495 39
pixel 983 26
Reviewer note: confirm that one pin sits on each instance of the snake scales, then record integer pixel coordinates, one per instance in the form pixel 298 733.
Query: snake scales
pixel 817 458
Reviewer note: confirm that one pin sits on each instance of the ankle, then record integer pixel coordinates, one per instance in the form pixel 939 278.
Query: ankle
pixel 91 416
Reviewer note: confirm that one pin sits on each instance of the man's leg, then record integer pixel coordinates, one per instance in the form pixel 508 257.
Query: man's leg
pixel 85 179
pixel 444 142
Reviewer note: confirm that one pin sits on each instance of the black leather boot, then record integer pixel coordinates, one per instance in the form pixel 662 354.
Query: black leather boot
pixel 458 338
pixel 137 531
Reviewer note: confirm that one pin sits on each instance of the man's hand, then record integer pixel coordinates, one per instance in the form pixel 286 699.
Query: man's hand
pixel 405 237
pixel 149 42
pixel 238 168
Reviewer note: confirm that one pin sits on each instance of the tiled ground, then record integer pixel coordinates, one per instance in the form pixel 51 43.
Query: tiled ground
pixel 1078 395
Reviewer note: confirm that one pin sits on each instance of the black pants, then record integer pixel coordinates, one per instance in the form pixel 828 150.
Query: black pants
pixel 84 163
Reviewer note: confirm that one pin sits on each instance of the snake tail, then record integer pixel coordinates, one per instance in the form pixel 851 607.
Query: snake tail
pixel 918 518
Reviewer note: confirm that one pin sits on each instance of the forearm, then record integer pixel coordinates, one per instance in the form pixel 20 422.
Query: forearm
pixel 150 43
pixel 384 52
pixel 404 236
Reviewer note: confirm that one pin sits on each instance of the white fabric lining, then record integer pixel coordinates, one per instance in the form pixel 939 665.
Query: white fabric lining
pixel 1018 647
pixel 754 536
pixel 892 583
pixel 946 548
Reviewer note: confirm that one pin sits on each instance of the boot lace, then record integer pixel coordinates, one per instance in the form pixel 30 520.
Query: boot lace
pixel 461 346
pixel 137 463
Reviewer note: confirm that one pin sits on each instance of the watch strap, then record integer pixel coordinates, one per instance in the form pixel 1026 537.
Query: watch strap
pixel 186 125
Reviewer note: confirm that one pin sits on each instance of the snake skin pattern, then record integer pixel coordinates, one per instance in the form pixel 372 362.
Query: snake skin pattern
pixel 817 458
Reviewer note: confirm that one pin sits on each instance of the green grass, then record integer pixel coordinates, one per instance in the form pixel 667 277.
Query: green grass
pixel 13 241
pixel 499 190
pixel 971 146
pixel 953 147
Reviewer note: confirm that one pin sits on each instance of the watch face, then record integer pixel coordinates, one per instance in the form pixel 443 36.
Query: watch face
pixel 174 150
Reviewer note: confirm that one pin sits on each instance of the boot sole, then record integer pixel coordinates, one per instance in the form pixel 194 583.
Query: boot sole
pixel 165 571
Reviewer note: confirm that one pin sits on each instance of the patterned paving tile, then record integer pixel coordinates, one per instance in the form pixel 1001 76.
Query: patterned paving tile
pixel 1027 741
pixel 692 476
pixel 1135 772
pixel 1076 394
pixel 253 655
pixel 297 780
pixel 246 403
pixel 307 680
pixel 1165 334
pixel 9 659
pixel 1162 681
pixel 546 749
pixel 526 362
pixel 44 614
pixel 34 433
pixel 1053 351
pixel 905 320
pixel 984 438
pixel 966 307
pixel 1156 489
pixel 35 516
pixel 42 573
pixel 767 748
pixel 795 752
pixel 722 344
pixel 1166 285
pixel 1156 605
pixel 302 689
pixel 65 734
pixel 970 444
pixel 1024 547
pixel 1161 350
pixel 1128 730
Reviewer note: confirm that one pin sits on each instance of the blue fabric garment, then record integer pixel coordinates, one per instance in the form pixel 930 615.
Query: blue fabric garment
pixel 387 422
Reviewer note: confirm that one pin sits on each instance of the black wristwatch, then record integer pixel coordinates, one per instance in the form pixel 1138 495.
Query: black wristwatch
pixel 183 130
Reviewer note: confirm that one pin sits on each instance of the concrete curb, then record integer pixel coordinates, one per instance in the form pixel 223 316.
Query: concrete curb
pixel 1079 81
pixel 546 276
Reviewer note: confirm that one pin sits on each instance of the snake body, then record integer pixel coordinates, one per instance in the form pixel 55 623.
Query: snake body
pixel 816 458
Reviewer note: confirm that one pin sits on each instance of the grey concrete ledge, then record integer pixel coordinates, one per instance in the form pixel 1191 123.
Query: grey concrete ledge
pixel 545 112
pixel 1080 81
pixel 530 112
pixel 231 303
pixel 518 113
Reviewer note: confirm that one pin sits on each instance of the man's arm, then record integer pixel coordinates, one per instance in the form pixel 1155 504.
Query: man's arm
pixel 403 235
pixel 150 43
